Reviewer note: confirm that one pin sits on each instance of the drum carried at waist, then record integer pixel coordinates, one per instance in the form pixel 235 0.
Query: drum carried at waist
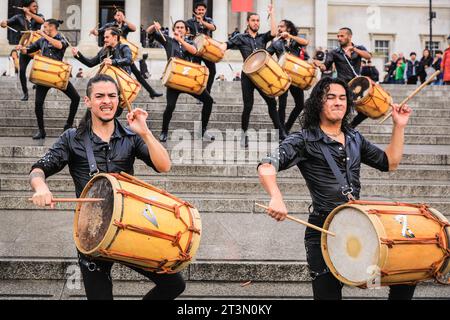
pixel 266 74
pixel 50 73
pixel 380 243
pixel 208 48
pixel 136 224
pixel 302 73
pixel 185 76
pixel 28 38
pixel 128 85
pixel 134 48
pixel 369 97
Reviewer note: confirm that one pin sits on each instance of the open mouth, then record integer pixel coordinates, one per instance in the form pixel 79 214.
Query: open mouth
pixel 106 108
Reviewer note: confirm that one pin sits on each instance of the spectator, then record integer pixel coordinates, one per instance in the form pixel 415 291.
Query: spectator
pixel 400 72
pixel 445 65
pixel 392 66
pixel 80 73
pixel 425 62
pixel 437 66
pixel 412 67
pixel 12 68
pixel 143 66
pixel 237 77
pixel 401 56
pixel 370 71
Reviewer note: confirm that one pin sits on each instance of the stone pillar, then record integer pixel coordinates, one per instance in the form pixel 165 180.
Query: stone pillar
pixel 133 14
pixel 321 23
pixel 220 17
pixel 261 9
pixel 176 11
pixel 89 20
pixel 3 16
pixel 46 8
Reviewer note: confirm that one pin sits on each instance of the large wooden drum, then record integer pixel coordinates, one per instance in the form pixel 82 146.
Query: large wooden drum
pixel 50 73
pixel 185 76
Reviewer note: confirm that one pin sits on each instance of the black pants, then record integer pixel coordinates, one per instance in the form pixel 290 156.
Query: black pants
pixel 360 117
pixel 422 76
pixel 299 99
pixel 98 283
pixel 325 286
pixel 24 60
pixel 412 80
pixel 141 79
pixel 172 97
pixel 248 90
pixel 212 71
pixel 41 93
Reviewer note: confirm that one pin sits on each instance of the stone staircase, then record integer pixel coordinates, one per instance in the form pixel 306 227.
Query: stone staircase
pixel 239 242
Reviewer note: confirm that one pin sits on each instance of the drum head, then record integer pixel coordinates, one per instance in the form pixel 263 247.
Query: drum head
pixel 199 41
pixel 255 61
pixel 360 86
pixel 95 217
pixel 354 251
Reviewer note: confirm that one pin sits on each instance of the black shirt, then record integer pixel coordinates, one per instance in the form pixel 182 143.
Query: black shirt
pixel 116 156
pixel 303 149
pixel 174 48
pixel 124 28
pixel 344 71
pixel 20 22
pixel 47 49
pixel 121 57
pixel 247 44
pixel 281 46
pixel 195 27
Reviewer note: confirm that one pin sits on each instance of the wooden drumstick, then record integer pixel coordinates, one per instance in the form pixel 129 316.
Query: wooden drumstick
pixel 76 200
pixel 12 29
pixel 159 31
pixel 434 75
pixel 301 222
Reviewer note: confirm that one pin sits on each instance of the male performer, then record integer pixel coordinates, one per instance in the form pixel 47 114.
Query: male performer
pixel 28 20
pixel 52 45
pixel 200 23
pixel 114 149
pixel 289 42
pixel 180 47
pixel 326 137
pixel 347 59
pixel 247 43
pixel 121 23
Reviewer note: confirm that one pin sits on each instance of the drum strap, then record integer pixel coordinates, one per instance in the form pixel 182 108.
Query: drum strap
pixel 354 72
pixel 346 187
pixel 93 169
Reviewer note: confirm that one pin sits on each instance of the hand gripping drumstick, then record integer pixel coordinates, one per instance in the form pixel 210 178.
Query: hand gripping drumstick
pixel 159 30
pixel 434 75
pixel 76 200
pixel 301 222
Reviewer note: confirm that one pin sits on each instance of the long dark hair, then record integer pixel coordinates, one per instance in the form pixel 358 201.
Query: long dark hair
pixel 85 122
pixel 290 27
pixel 310 117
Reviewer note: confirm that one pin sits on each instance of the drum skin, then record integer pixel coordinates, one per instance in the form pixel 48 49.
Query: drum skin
pixel 375 102
pixel 302 73
pixel 162 240
pixel 208 48
pixel 134 48
pixel 407 249
pixel 266 74
pixel 28 38
pixel 50 73
pixel 185 76
pixel 130 86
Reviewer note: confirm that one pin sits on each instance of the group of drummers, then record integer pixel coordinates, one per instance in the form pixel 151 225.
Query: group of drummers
pixel 327 150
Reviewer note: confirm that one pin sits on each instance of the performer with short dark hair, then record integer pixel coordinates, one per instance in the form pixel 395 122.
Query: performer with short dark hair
pixel 289 42
pixel 52 45
pixel 28 20
pixel 327 138
pixel 179 47
pixel 114 148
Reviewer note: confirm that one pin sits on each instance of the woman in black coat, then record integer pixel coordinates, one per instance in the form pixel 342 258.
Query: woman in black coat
pixel 425 62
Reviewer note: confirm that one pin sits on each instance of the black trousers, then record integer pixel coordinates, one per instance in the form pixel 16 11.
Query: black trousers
pixel 172 97
pixel 41 93
pixel 212 71
pixel 248 90
pixel 325 286
pixel 360 117
pixel 24 60
pixel 299 99
pixel 98 283
pixel 412 80
pixel 141 79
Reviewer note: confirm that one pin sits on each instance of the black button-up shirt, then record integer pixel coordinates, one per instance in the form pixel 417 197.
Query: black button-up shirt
pixel 116 156
pixel 124 28
pixel 20 22
pixel 47 49
pixel 247 44
pixel 344 71
pixel 121 57
pixel 303 149
pixel 173 47
pixel 195 27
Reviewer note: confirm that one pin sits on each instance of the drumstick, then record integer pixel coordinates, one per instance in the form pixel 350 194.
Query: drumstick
pixel 76 200
pixel 12 29
pixel 434 75
pixel 159 30
pixel 20 8
pixel 301 222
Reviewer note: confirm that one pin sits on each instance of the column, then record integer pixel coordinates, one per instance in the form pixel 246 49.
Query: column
pixel 176 11
pixel 46 8
pixel 89 20
pixel 133 14
pixel 261 9
pixel 220 17
pixel 3 16
pixel 321 23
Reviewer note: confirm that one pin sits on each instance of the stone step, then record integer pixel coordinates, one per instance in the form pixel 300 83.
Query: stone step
pixel 204 185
